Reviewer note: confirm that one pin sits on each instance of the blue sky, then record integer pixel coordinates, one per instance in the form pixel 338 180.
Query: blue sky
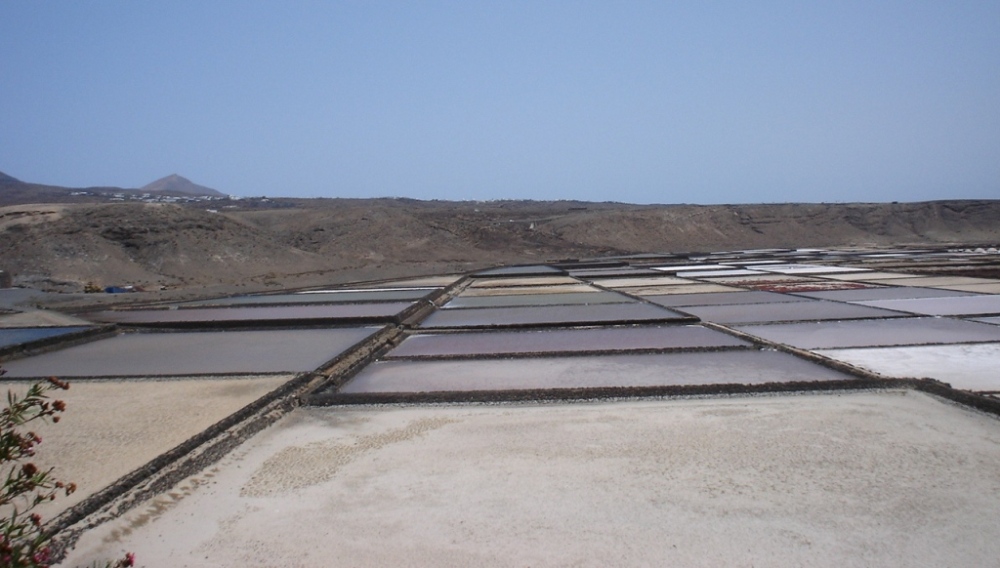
pixel 642 102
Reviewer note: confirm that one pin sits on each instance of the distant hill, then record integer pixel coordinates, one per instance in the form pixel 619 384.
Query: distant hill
pixel 14 192
pixel 173 187
pixel 177 185
pixel 312 242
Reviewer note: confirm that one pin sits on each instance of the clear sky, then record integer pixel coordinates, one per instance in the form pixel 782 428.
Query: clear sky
pixel 643 102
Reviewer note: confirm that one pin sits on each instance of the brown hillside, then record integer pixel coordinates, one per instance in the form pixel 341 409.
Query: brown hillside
pixel 308 242
pixel 152 245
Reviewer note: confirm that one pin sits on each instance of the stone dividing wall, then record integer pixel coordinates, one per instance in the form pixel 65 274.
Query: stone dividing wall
pixel 318 388
pixel 211 445
pixel 929 386
pixel 204 449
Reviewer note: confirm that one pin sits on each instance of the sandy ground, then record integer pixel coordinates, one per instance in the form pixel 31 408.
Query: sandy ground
pixel 112 427
pixel 858 479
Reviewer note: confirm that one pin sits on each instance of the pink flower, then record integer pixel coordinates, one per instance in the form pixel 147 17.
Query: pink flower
pixel 41 557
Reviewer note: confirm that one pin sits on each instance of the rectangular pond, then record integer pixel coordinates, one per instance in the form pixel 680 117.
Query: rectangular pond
pixel 988 288
pixel 194 353
pixel 563 341
pixel 798 286
pixel 643 281
pixel 522 290
pixel 724 367
pixel 829 285
pixel 969 367
pixel 751 263
pixel 985 304
pixel 433 281
pixel 552 316
pixel 810 269
pixel 786 311
pixel 724 298
pixel 573 298
pixel 328 297
pixel 514 282
pixel 724 273
pixel 614 273
pixel 515 271
pixel 869 276
pixel 426 289
pixel 765 278
pixel 325 313
pixel 882 293
pixel 873 333
pixel 940 281
pixel 680 269
pixel 681 289
pixel 11 336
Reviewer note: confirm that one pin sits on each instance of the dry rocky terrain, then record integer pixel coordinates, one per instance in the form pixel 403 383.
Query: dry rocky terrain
pixel 252 244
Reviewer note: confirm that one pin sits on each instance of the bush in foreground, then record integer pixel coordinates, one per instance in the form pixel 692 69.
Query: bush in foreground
pixel 24 542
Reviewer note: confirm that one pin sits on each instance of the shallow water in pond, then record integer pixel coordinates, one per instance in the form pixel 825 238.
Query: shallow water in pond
pixel 746 367
pixel 642 281
pixel 786 311
pixel 540 270
pixel 887 293
pixel 514 282
pixel 678 289
pixel 375 311
pixel 18 335
pixel 551 315
pixel 571 298
pixel 971 367
pixel 527 290
pixel 216 352
pixel 951 306
pixel 317 298
pixel 719 299
pixel 871 333
pixel 563 340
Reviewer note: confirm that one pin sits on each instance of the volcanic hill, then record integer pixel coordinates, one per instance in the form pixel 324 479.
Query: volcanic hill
pixel 175 184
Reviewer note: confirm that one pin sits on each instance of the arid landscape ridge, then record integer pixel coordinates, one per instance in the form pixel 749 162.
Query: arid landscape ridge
pixel 68 238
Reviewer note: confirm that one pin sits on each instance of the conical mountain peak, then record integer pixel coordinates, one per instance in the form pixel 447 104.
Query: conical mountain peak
pixel 174 183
